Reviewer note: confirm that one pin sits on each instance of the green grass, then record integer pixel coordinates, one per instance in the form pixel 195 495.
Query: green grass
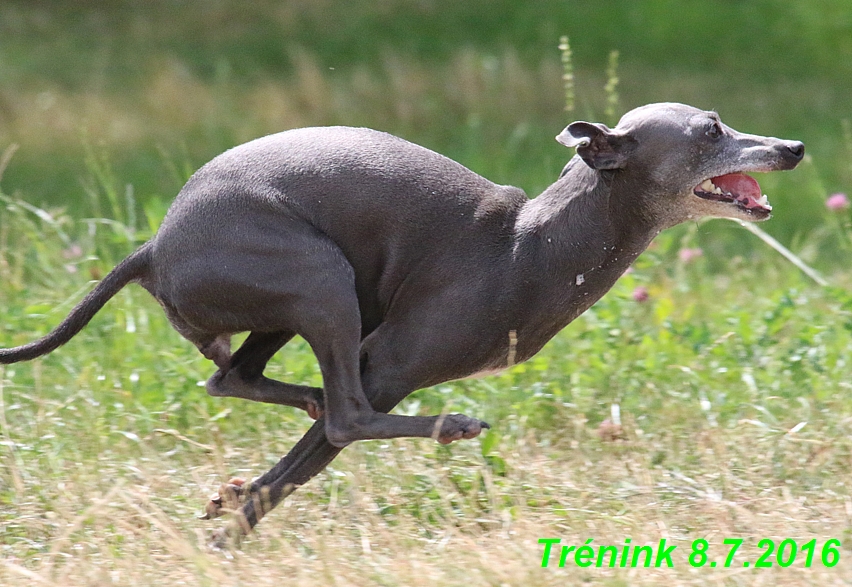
pixel 732 388
pixel 731 381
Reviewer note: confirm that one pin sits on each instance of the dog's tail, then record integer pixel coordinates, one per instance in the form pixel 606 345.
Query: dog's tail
pixel 133 267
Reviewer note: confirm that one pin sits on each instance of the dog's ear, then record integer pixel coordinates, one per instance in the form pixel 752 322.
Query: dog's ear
pixel 599 146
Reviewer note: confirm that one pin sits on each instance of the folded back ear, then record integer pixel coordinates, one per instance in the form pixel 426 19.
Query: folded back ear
pixel 599 146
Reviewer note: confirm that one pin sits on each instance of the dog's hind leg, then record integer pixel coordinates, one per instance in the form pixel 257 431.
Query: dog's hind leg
pixel 241 374
pixel 243 378
pixel 251 501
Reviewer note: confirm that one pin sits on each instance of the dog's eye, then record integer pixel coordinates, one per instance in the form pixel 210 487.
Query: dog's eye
pixel 715 130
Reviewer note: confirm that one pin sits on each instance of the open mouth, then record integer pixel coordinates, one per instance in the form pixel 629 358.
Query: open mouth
pixel 737 189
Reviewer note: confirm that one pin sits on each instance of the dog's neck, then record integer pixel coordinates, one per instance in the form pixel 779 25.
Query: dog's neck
pixel 571 245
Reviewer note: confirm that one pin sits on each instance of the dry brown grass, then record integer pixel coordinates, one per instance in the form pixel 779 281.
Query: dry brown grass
pixel 400 514
pixel 171 100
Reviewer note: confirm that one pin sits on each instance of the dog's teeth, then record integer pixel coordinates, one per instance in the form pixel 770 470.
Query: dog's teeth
pixel 764 201
pixel 717 191
pixel 707 185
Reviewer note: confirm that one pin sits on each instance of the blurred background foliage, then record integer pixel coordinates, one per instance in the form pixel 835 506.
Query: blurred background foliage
pixel 157 88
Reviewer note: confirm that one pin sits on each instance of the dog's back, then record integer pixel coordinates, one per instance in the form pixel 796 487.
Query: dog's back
pixel 388 204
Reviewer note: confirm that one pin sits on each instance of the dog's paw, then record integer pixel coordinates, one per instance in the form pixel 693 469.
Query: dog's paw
pixel 458 426
pixel 227 500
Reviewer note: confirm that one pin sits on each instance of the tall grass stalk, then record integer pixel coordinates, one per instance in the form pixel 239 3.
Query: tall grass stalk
pixel 8 152
pixel 567 73
pixel 611 89
pixel 846 125
pixel 785 252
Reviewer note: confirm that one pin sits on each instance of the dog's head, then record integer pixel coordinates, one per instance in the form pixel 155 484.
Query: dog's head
pixel 683 163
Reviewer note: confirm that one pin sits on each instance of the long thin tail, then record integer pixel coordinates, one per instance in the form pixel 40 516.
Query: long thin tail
pixel 133 267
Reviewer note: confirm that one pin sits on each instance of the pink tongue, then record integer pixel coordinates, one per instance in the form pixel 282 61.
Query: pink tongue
pixel 738 185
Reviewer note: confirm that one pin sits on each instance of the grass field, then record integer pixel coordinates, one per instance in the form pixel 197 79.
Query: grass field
pixel 731 380
pixel 732 389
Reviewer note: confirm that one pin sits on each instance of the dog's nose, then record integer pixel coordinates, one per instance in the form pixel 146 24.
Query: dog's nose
pixel 796 148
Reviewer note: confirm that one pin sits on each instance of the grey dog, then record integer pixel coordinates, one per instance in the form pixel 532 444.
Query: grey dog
pixel 403 269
